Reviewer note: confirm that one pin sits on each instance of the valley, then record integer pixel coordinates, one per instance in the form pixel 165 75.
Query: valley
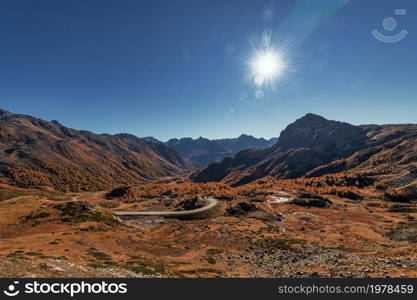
pixel 328 199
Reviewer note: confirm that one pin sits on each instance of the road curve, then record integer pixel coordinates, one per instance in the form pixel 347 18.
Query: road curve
pixel 77 198
pixel 212 203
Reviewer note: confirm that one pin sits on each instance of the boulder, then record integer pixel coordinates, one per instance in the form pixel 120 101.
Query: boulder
pixel 312 202
pixel 242 208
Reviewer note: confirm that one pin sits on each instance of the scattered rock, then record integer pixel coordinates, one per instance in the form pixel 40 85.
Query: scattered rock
pixel 312 202
pixel 81 211
pixel 190 204
pixel 242 208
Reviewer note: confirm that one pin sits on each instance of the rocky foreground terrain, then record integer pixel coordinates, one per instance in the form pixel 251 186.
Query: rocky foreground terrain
pixel 338 226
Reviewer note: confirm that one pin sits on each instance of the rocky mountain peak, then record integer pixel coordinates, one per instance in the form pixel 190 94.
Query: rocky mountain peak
pixel 314 130
pixel 5 113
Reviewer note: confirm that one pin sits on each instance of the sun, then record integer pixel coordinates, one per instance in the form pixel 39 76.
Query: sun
pixel 269 65
pixel 266 66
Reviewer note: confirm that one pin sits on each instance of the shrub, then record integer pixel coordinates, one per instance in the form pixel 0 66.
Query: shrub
pixel 211 260
pixel 279 243
pixel 242 208
pixel 395 196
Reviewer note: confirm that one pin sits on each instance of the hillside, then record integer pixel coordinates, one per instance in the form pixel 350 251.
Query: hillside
pixel 314 146
pixel 34 152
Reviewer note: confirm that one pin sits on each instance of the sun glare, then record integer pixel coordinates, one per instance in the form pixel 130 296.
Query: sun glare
pixel 269 64
pixel 266 66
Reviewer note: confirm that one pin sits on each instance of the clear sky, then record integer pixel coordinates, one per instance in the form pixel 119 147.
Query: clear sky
pixel 182 68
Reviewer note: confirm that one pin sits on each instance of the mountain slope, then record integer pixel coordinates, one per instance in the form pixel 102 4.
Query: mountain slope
pixel 313 146
pixel 204 151
pixel 38 152
pixel 151 139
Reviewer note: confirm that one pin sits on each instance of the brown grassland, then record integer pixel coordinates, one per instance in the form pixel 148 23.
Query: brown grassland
pixel 340 225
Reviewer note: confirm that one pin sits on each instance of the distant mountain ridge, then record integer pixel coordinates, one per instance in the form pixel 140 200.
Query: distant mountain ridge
pixel 314 146
pixel 151 139
pixel 245 141
pixel 204 151
pixel 36 152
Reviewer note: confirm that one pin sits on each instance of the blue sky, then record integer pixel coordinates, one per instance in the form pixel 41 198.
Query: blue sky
pixel 180 68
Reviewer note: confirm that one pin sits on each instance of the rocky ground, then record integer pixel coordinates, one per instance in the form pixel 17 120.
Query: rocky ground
pixel 281 233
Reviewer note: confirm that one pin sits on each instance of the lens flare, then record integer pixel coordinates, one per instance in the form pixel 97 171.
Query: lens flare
pixel 269 64
pixel 266 66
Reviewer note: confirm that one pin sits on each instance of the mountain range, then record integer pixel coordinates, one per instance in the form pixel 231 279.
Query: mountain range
pixel 36 152
pixel 365 212
pixel 203 151
pixel 314 146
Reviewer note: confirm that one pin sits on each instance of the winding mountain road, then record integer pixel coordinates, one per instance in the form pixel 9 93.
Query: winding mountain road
pixel 212 203
pixel 77 198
